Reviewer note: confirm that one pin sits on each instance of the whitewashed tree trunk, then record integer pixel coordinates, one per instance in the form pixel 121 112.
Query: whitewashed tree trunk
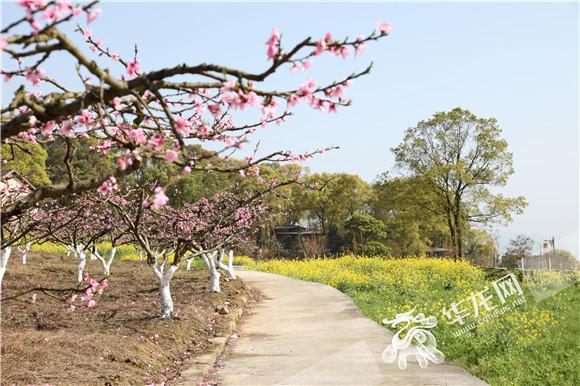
pixel 214 280
pixel 24 251
pixel 4 262
pixel 188 263
pixel 164 277
pixel 82 256
pixel 229 268
pixel 105 263
pixel 112 254
pixel 165 292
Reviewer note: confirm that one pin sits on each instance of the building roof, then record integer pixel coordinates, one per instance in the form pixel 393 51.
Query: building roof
pixel 438 249
pixel 6 174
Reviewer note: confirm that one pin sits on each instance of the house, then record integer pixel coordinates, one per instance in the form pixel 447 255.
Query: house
pixel 437 252
pixel 297 240
pixel 13 187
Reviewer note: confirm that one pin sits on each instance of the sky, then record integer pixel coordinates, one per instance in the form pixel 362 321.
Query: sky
pixel 515 62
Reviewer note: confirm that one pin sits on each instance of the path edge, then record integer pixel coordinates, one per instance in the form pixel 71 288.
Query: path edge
pixel 202 365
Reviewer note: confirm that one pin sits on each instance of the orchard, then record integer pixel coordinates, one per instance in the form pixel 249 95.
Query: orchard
pixel 133 115
pixel 174 208
pixel 128 116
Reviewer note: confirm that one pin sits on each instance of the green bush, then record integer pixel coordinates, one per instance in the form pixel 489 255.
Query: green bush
pixel 375 248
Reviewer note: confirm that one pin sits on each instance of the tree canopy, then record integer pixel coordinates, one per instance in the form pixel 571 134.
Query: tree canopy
pixel 462 157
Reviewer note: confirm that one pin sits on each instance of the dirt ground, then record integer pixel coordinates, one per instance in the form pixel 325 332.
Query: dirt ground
pixel 119 341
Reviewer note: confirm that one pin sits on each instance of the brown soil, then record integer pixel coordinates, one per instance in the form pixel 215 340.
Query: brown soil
pixel 120 341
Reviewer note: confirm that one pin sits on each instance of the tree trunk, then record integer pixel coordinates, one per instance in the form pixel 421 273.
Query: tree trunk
pixel 82 256
pixel 229 268
pixel 24 251
pixel 3 263
pixel 81 267
pixel 188 263
pixel 165 292
pixel 164 278
pixel 452 234
pixel 458 229
pixel 214 280
pixel 459 241
pixel 105 263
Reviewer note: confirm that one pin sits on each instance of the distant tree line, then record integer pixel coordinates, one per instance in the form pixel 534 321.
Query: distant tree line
pixel 440 199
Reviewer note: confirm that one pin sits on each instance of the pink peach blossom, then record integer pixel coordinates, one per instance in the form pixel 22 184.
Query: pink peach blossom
pixel 35 75
pixel 93 15
pixel 133 67
pixel 159 198
pixel 383 27
pixel 171 155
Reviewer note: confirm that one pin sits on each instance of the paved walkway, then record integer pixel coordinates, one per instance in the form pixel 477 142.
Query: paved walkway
pixel 306 333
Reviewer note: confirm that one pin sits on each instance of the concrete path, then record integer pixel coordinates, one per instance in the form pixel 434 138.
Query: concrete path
pixel 306 333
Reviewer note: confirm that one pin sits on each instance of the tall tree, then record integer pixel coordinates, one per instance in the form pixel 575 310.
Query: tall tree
pixel 480 247
pixel 517 249
pixel 330 199
pixel 364 229
pixel 521 246
pixel 406 206
pixel 462 157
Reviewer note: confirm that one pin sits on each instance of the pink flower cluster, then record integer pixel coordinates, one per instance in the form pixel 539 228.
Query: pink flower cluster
pixel 159 199
pixel 35 75
pixel 305 65
pixel 133 67
pixel 53 12
pixel 383 27
pixel 240 100
pixel 87 299
pixel 273 44
pixel 108 187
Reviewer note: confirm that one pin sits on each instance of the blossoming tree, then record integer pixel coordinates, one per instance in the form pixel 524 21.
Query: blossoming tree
pixel 169 236
pixel 220 221
pixel 132 114
pixel 78 223
pixel 135 113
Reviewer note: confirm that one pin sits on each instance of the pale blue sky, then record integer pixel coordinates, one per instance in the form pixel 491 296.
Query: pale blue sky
pixel 515 62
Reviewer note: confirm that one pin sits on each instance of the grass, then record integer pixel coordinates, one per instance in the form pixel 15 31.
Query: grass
pixel 534 344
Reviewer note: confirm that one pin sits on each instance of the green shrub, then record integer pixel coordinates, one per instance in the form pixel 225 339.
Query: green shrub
pixel 375 248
